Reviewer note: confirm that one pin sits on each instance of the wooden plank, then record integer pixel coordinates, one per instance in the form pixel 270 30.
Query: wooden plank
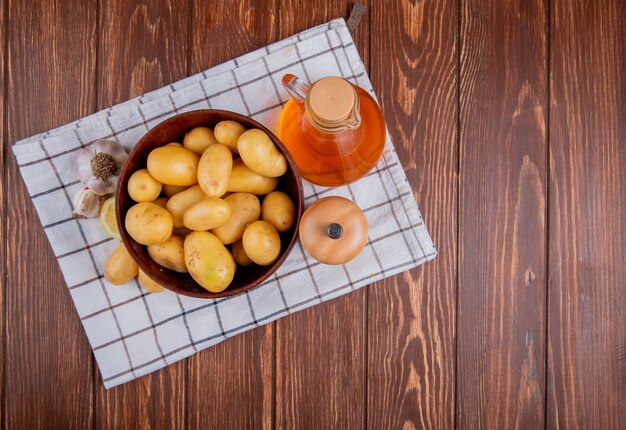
pixel 320 352
pixel 146 44
pixel 48 363
pixel 502 219
pixel 587 335
pixel 230 384
pixel 411 349
pixel 3 202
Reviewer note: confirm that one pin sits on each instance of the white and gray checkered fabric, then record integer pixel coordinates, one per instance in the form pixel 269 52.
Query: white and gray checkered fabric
pixel 133 332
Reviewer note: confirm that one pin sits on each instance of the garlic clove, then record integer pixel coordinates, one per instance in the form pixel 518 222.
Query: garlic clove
pixel 112 148
pixel 99 165
pixel 87 204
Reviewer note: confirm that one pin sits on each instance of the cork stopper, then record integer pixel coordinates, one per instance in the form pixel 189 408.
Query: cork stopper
pixel 331 100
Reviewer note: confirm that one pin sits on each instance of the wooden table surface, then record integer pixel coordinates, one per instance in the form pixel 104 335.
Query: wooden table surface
pixel 510 120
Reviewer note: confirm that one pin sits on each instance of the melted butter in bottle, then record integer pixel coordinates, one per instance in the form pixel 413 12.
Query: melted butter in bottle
pixel 334 131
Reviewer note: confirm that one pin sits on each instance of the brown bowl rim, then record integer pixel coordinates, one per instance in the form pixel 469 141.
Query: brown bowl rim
pixel 204 294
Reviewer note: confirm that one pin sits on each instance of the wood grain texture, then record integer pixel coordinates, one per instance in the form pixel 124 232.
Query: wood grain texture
pixel 587 303
pixel 48 363
pixel 320 352
pixel 502 225
pixel 146 43
pixel 3 203
pixel 411 323
pixel 231 384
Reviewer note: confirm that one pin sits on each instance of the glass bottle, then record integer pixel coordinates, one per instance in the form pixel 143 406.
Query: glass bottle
pixel 335 131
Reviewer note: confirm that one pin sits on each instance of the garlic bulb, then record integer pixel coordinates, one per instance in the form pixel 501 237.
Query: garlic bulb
pixel 86 204
pixel 99 166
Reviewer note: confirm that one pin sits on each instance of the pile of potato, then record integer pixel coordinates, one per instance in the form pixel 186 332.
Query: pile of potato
pixel 212 183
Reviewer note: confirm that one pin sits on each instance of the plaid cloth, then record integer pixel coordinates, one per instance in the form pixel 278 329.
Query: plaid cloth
pixel 133 332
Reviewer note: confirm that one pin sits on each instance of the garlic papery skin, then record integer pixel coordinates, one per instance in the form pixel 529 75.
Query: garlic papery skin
pixel 99 166
pixel 87 204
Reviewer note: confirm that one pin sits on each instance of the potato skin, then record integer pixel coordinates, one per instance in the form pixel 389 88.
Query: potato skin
pixel 260 154
pixel 161 201
pixel 214 170
pixel 173 165
pixel 245 208
pixel 169 254
pixel 148 223
pixel 170 190
pixel 278 209
pixel 207 214
pixel 244 180
pixel 148 284
pixel 142 187
pixel 199 139
pixel 120 267
pixel 178 204
pixel 228 132
pixel 261 243
pixel 209 262
pixel 239 254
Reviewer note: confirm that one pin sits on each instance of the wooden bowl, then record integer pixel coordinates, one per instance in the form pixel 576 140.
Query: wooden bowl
pixel 173 130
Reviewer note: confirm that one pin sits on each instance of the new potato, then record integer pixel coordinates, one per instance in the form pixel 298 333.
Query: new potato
pixel 244 180
pixel 260 154
pixel 261 243
pixel 142 187
pixel 239 254
pixel 161 201
pixel 208 261
pixel 173 165
pixel 245 208
pixel 228 132
pixel 178 204
pixel 199 139
pixel 278 209
pixel 120 267
pixel 169 254
pixel 148 223
pixel 214 170
pixel 207 214
pixel 147 283
pixel 170 190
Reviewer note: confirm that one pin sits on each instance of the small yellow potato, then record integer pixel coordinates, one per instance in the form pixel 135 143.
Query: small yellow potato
pixel 173 165
pixel 142 187
pixel 148 223
pixel 148 284
pixel 208 261
pixel 178 204
pixel 214 170
pixel 161 201
pixel 228 132
pixel 244 180
pixel 239 254
pixel 244 209
pixel 120 267
pixel 169 254
pixel 260 154
pixel 199 139
pixel 170 190
pixel 261 243
pixel 174 144
pixel 207 214
pixel 278 209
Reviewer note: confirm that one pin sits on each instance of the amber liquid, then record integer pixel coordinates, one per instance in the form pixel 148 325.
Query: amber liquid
pixel 333 159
